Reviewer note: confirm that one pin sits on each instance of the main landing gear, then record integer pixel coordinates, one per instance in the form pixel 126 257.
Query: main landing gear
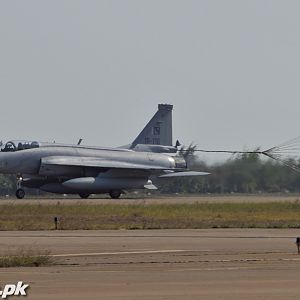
pixel 115 194
pixel 84 195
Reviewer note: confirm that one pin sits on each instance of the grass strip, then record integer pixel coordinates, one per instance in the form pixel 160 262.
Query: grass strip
pixel 24 258
pixel 154 216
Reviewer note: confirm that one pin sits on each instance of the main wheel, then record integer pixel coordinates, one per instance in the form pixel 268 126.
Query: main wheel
pixel 84 195
pixel 115 194
pixel 20 193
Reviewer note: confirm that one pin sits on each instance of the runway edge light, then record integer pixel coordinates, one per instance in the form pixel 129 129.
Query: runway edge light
pixel 298 244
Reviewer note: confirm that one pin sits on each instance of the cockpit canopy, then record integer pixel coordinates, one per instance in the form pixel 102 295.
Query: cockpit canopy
pixel 13 146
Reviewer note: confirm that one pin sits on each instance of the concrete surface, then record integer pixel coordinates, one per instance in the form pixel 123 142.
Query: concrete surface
pixel 160 264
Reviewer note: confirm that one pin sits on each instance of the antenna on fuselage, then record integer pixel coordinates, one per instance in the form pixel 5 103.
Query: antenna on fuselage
pixel 79 142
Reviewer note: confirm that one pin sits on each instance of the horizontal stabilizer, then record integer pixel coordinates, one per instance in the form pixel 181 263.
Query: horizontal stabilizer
pixel 184 174
pixel 150 187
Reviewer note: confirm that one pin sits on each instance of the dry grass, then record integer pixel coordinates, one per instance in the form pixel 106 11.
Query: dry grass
pixel 155 216
pixel 24 258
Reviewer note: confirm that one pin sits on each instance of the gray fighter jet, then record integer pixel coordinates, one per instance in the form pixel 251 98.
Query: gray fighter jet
pixel 85 170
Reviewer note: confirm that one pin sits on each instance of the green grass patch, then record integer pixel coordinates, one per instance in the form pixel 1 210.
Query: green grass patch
pixel 154 216
pixel 24 258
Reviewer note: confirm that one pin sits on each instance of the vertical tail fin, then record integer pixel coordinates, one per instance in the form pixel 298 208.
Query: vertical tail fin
pixel 159 129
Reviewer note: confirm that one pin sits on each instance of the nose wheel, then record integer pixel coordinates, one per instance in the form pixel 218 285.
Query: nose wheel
pixel 20 193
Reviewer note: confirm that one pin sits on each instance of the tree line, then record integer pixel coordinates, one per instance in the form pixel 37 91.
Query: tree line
pixel 245 173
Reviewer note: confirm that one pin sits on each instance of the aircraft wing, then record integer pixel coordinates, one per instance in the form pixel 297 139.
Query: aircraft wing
pixel 183 174
pixel 48 164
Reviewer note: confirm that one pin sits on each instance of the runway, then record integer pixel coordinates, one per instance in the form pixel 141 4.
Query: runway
pixel 137 200
pixel 160 264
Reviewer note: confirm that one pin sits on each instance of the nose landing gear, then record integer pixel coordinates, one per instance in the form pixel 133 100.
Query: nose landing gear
pixel 20 193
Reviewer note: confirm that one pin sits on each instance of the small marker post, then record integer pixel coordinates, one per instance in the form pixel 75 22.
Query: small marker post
pixel 56 222
pixel 298 244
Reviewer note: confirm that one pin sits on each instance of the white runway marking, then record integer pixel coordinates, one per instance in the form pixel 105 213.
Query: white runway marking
pixel 118 253
pixel 213 269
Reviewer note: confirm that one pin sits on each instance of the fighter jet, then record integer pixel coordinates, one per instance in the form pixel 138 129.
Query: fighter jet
pixel 86 170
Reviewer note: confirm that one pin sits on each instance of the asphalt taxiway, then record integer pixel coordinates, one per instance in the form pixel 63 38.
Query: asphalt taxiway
pixel 138 200
pixel 160 264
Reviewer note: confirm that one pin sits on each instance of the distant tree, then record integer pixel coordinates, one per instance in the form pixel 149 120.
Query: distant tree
pixel 7 184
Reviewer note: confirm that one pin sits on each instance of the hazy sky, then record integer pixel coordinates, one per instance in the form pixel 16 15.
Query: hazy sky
pixel 98 69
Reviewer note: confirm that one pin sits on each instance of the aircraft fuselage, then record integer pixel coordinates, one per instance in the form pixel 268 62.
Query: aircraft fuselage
pixel 99 171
